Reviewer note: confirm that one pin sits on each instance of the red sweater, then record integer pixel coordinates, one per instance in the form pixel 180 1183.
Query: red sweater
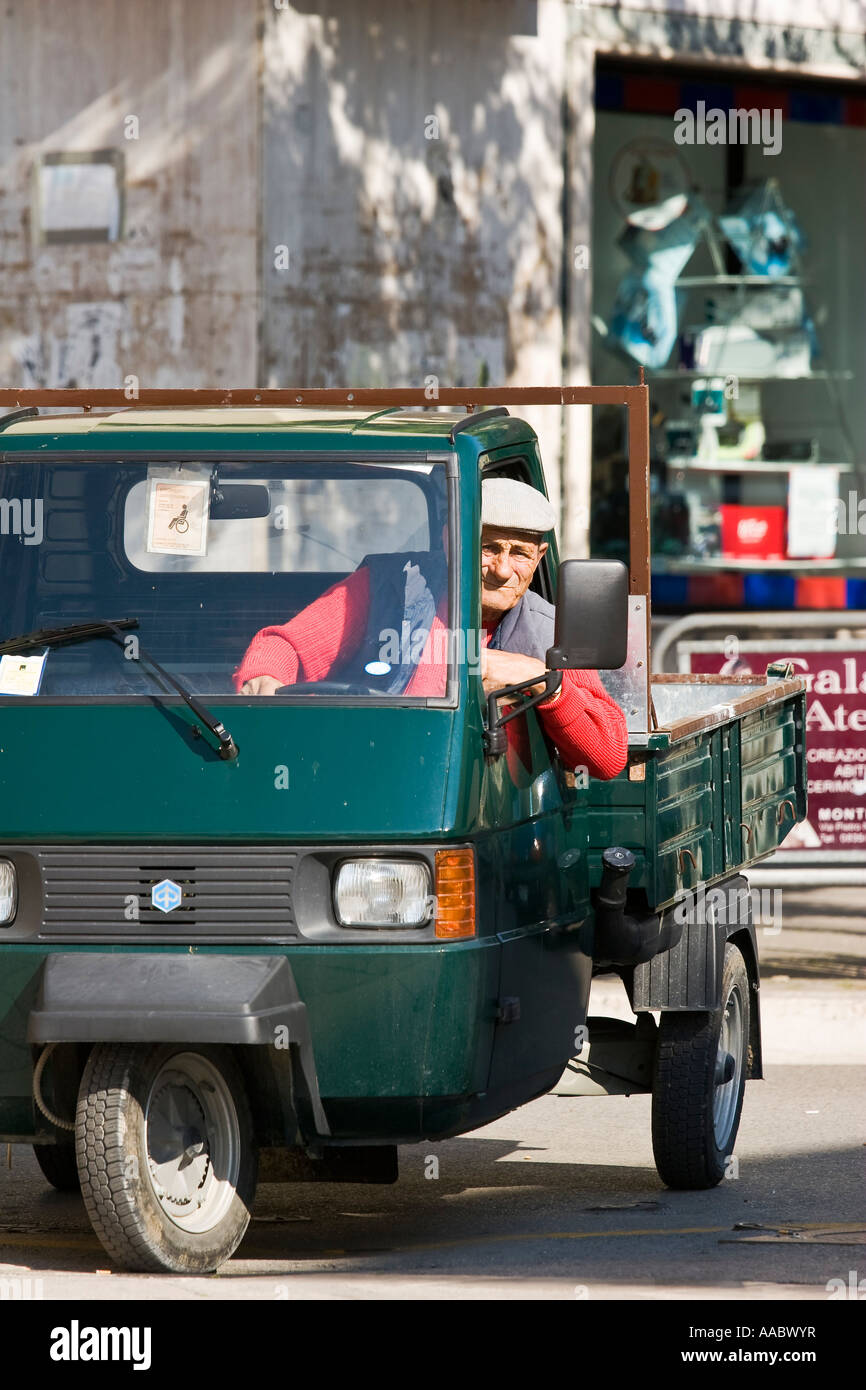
pixel 586 724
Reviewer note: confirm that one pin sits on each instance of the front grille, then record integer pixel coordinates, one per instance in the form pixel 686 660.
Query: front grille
pixel 224 893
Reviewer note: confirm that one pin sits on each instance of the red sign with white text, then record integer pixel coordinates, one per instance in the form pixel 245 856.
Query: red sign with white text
pixel 835 677
pixel 758 532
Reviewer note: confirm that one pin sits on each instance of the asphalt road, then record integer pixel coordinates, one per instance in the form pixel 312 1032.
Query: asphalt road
pixel 561 1199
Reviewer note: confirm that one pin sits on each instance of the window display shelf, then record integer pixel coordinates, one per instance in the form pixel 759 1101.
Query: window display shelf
pixel 699 465
pixel 762 281
pixel 687 564
pixel 686 373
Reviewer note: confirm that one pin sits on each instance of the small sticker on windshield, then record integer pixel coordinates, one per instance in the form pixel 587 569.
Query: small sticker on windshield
pixel 177 513
pixel 377 668
pixel 21 675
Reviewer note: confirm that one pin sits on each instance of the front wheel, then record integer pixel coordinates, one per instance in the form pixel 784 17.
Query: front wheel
pixel 698 1084
pixel 165 1147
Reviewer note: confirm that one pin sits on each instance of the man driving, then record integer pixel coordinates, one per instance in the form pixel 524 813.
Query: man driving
pixel 338 632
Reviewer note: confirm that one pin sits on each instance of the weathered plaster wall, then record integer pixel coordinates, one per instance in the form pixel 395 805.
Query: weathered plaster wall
pixel 411 256
pixel 175 300
pixel 287 218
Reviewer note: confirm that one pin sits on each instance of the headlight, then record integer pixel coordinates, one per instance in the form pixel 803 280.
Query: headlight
pixel 383 893
pixel 8 892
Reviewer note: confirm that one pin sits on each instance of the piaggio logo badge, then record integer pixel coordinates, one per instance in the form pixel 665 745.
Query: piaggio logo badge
pixel 166 895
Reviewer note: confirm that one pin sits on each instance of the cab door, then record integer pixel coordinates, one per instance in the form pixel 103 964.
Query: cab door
pixel 543 921
pixel 536 812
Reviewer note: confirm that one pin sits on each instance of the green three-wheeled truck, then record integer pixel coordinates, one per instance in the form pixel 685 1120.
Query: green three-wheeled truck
pixel 275 935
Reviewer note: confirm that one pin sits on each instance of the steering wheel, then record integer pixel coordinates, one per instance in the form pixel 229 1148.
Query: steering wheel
pixel 328 688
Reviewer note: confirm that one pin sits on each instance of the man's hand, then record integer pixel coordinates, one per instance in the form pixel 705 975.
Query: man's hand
pixel 261 685
pixel 510 668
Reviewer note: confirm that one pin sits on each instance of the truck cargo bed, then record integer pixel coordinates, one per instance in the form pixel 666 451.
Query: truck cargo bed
pixel 716 787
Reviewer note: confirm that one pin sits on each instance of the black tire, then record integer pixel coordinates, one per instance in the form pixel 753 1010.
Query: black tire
pixel 694 1121
pixel 58 1165
pixel 166 1152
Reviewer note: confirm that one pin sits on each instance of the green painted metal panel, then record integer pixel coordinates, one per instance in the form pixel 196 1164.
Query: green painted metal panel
pixel 387 1021
pixel 685 812
pixel 104 772
pixel 773 774
pixel 550 974
pixel 685 819
pixel 19 980
pixel 393 435
pixel 731 795
pixel 616 814
pixel 408 1021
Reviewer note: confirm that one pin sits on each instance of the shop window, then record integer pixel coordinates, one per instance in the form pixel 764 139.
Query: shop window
pixel 728 222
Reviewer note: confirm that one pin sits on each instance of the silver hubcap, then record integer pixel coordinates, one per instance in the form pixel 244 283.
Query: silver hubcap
pixel 729 1068
pixel 193 1146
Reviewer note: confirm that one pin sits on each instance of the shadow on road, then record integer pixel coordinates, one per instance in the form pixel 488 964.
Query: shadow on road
pixel 829 965
pixel 504 1212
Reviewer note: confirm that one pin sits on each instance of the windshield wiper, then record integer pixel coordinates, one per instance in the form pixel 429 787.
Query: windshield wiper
pixel 57 636
pixel 228 749
pixel 103 627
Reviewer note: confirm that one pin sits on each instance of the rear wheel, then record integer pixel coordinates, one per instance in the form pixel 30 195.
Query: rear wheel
pixel 165 1149
pixel 698 1084
pixel 58 1165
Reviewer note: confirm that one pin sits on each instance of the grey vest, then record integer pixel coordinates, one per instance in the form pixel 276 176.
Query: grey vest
pixel 527 628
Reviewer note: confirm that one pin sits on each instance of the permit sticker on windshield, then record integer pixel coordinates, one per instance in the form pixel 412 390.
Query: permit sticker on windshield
pixel 21 675
pixel 177 512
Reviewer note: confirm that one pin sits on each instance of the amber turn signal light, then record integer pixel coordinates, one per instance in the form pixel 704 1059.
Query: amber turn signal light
pixel 455 893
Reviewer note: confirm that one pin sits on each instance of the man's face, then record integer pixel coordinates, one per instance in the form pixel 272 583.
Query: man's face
pixel 508 562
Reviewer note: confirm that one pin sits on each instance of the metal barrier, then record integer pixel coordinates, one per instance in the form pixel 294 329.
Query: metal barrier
pixel 725 622
pixel 794 867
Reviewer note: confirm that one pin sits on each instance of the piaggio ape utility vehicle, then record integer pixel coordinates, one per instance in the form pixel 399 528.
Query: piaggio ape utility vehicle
pixel 285 934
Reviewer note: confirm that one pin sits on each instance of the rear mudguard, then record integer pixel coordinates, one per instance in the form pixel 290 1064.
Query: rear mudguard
pixel 688 977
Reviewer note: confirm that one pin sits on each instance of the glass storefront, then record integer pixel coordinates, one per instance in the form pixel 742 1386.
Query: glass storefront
pixel 729 220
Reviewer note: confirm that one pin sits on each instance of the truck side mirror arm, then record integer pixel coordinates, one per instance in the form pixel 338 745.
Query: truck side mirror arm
pixel 495 741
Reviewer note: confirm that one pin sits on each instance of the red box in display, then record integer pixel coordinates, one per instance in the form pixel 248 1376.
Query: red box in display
pixel 753 532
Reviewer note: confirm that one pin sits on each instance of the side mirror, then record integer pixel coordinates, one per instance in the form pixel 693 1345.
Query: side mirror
pixel 591 630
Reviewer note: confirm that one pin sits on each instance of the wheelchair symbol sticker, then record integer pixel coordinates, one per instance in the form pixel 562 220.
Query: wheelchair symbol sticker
pixel 180 521
pixel 166 895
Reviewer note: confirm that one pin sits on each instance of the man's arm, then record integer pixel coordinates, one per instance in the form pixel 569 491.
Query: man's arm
pixel 331 626
pixel 586 724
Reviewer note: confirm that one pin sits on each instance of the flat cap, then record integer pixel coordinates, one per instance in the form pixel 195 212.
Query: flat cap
pixel 514 506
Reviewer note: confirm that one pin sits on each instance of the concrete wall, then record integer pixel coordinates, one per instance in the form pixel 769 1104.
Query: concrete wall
pixel 175 300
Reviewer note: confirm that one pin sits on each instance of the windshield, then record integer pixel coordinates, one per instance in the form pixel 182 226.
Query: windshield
pixel 246 577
